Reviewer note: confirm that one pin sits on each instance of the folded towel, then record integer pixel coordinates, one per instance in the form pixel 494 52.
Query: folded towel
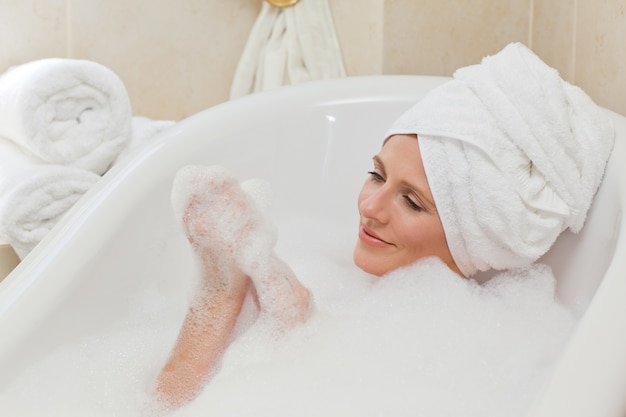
pixel 513 155
pixel 34 196
pixel 66 111
pixel 289 46
pixel 143 130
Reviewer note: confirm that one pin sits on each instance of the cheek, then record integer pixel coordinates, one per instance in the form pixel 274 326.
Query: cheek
pixel 423 237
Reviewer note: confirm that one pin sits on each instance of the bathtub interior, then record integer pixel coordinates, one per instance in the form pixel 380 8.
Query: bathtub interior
pixel 313 143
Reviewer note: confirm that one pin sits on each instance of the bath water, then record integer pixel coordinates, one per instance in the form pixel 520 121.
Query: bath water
pixel 418 342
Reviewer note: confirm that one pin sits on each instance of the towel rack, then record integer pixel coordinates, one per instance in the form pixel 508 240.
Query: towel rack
pixel 282 3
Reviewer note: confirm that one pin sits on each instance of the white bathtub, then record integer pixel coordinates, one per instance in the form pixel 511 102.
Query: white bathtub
pixel 313 143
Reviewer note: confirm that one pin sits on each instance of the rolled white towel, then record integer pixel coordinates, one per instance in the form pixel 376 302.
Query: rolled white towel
pixel 34 196
pixel 66 111
pixel 143 130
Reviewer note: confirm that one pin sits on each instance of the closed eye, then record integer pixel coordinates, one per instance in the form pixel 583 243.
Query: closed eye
pixel 412 204
pixel 375 176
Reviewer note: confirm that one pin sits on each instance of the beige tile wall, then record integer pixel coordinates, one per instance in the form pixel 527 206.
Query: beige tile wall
pixel 31 29
pixel 178 57
pixel 600 48
pixel 435 37
pixel 553 30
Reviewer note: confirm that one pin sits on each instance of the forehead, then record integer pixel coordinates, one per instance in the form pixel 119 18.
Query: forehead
pixel 402 151
pixel 400 155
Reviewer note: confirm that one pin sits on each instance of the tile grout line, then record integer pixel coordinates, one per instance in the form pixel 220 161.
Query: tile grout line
pixel 574 37
pixel 69 47
pixel 531 23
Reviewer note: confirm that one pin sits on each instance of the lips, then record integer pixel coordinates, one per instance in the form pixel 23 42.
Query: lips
pixel 369 237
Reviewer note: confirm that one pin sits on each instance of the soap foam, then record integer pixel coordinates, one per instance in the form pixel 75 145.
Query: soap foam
pixel 105 374
pixel 420 341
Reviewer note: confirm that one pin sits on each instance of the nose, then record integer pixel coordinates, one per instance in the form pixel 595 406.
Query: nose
pixel 374 204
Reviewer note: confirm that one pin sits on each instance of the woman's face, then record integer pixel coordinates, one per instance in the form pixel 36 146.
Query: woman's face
pixel 399 223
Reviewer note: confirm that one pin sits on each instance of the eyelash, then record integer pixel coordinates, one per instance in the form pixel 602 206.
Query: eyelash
pixel 412 204
pixel 376 177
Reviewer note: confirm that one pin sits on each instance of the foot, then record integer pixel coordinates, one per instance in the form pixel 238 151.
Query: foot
pixel 227 229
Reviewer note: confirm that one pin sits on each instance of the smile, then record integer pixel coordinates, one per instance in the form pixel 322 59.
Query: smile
pixel 367 236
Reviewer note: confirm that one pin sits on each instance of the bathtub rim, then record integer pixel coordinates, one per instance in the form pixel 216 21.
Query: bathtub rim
pixel 27 276
pixel 79 229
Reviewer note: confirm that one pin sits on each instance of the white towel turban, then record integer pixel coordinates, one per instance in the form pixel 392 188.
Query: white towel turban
pixel 513 155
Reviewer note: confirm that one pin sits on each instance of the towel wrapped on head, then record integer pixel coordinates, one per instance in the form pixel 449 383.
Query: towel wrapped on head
pixel 513 155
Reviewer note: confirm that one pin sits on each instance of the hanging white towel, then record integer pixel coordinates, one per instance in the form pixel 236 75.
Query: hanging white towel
pixel 66 111
pixel 35 195
pixel 289 46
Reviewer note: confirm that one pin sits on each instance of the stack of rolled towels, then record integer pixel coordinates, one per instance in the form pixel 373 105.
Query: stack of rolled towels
pixel 63 124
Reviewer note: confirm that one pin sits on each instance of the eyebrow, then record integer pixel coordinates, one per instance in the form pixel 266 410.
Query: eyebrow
pixel 425 201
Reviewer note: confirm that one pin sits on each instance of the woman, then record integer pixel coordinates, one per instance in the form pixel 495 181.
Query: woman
pixel 394 203
pixel 484 173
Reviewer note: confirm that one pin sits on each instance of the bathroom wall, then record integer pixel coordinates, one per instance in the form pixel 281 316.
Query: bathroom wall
pixel 178 57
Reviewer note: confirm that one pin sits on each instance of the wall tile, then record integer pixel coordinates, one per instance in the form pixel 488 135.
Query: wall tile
pixel 31 29
pixel 600 66
pixel 176 57
pixel 553 34
pixel 435 37
pixel 360 34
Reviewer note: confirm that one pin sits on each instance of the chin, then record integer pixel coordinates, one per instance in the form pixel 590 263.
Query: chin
pixel 368 263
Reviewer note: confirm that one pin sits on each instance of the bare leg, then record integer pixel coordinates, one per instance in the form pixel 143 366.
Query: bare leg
pixel 234 246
